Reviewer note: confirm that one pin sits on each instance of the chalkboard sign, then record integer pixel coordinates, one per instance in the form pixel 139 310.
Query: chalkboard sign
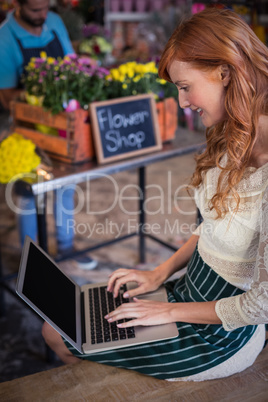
pixel 125 127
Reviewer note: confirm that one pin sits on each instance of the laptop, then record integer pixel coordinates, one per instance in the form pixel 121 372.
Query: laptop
pixel 75 311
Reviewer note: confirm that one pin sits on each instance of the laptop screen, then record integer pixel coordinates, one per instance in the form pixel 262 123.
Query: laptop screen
pixel 50 291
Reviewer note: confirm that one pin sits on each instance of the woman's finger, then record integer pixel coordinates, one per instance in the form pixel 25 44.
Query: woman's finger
pixel 114 277
pixel 130 277
pixel 128 310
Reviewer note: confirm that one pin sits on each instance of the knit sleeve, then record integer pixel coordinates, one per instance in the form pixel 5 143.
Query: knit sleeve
pixel 251 307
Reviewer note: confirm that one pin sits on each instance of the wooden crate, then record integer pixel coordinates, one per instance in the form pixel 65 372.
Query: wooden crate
pixel 78 146
pixel 75 148
pixel 167 111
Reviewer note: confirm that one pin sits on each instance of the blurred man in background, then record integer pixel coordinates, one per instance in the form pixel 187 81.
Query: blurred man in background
pixel 29 29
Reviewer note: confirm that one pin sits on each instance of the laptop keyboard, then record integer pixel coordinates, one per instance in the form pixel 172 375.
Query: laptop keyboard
pixel 101 303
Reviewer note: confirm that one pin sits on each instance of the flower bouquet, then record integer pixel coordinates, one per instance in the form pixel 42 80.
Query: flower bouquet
pixel 134 78
pixel 96 42
pixel 17 157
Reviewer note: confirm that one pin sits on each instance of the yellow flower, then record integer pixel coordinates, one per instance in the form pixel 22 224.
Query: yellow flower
pixel 115 74
pixel 161 81
pixel 122 69
pixel 150 67
pixel 32 99
pixel 43 55
pixel 17 155
pixel 137 78
pixel 46 129
pixel 140 69
pixel 31 64
pixel 50 60
pixel 132 64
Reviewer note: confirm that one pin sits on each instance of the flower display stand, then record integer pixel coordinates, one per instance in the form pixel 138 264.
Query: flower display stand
pixel 77 147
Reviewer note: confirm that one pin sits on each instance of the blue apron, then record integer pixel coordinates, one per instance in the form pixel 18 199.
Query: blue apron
pixel 52 49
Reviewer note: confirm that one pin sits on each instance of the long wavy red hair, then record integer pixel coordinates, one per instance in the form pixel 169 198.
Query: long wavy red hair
pixel 207 40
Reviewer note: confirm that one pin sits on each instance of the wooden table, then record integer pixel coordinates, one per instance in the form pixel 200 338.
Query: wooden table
pixel 88 381
pixel 62 174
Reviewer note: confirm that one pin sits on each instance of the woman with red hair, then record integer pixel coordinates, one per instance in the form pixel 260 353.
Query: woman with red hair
pixel 220 305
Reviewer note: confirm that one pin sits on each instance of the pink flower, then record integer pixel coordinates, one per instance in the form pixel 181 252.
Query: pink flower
pixel 72 105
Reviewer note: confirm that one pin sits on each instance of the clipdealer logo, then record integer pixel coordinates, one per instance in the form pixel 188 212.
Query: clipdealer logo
pixel 116 230
pixel 156 199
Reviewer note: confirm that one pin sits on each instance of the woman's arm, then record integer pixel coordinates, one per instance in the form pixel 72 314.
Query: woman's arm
pixel 151 280
pixel 146 312
pixel 250 307
pixel 179 260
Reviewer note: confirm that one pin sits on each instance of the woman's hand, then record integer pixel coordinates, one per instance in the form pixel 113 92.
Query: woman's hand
pixel 143 312
pixel 147 281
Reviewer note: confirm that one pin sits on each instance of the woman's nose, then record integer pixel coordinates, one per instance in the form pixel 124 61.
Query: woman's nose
pixel 183 101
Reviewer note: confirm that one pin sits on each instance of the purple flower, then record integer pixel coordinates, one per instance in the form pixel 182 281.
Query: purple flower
pixel 90 30
pixel 107 33
pixel 73 56
pixel 84 60
pixel 161 94
pixel 38 60
pixel 104 70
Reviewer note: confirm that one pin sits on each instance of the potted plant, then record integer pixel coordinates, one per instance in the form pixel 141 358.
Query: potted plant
pixel 134 78
pixel 55 117
pixel 96 43
pixel 54 83
pixel 58 94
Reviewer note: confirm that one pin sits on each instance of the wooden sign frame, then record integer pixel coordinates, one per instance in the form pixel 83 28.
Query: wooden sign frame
pixel 146 119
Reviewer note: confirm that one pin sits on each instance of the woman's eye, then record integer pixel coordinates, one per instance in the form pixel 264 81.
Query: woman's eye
pixel 183 89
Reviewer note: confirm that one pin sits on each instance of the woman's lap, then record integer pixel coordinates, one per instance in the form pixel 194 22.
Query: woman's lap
pixel 197 347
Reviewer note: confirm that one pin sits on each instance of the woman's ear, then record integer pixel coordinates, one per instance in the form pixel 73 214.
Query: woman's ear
pixel 225 74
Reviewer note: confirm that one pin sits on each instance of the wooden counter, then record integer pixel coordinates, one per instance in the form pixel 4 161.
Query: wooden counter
pixel 87 381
